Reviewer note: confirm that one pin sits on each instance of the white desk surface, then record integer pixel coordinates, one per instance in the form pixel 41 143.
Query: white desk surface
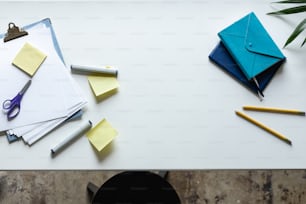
pixel 174 109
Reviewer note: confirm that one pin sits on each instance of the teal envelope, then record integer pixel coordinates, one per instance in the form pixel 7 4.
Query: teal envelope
pixel 251 46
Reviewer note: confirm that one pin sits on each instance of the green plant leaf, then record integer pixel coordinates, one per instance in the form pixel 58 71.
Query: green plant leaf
pixel 291 1
pixel 292 10
pixel 300 27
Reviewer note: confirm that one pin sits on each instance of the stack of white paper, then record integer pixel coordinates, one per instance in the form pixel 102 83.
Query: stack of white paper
pixel 52 97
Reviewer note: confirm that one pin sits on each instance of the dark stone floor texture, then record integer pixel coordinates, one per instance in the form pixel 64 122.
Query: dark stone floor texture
pixel 193 187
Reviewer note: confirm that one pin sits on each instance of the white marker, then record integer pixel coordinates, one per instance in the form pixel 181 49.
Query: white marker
pixel 78 69
pixel 83 128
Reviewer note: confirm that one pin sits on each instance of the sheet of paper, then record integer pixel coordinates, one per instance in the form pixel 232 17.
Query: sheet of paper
pixel 52 91
pixel 103 85
pixel 24 129
pixel 20 131
pixel 42 131
pixel 101 135
pixel 29 59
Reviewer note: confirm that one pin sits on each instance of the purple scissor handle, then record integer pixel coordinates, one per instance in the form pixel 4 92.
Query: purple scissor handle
pixel 12 106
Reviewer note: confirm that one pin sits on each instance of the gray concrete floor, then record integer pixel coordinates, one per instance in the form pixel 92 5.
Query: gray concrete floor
pixel 194 187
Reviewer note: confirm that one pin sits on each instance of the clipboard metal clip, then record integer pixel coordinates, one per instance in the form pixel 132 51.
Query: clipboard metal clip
pixel 14 32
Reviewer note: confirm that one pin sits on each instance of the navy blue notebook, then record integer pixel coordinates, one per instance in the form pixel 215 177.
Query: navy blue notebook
pixel 223 59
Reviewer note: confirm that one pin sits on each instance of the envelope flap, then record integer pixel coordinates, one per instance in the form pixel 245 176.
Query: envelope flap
pixel 258 40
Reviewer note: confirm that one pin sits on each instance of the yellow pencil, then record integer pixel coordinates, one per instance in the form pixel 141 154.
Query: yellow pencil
pixel 273 132
pixel 274 110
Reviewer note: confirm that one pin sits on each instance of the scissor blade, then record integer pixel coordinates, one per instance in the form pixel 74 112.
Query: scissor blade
pixel 25 88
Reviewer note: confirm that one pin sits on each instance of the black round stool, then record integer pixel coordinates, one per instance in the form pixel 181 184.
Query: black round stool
pixel 139 187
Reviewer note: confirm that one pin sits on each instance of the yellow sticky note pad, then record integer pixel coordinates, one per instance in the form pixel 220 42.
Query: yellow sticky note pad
pixel 101 135
pixel 102 85
pixel 29 59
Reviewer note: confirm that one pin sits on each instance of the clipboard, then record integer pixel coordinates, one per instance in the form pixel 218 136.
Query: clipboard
pixel 14 32
pixel 46 23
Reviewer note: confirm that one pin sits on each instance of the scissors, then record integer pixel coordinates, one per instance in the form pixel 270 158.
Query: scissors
pixel 12 106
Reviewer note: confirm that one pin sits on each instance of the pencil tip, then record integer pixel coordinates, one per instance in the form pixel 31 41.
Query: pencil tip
pixel 259 95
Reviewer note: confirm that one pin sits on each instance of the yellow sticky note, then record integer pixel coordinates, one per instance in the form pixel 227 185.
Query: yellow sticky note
pixel 101 135
pixel 29 59
pixel 102 85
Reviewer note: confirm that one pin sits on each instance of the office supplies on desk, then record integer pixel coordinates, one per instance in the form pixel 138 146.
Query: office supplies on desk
pixel 12 106
pixel 264 127
pixel 101 134
pixel 274 110
pixel 221 57
pixel 107 70
pixel 42 112
pixel 251 46
pixel 83 128
pixel 29 59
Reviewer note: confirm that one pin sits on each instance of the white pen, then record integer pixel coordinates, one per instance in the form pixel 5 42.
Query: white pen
pixel 79 69
pixel 83 128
